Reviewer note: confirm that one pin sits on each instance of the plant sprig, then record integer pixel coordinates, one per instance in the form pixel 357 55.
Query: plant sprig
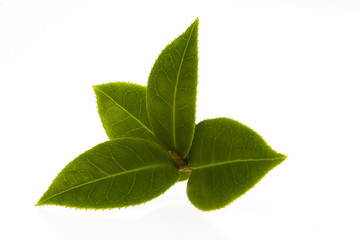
pixel 154 142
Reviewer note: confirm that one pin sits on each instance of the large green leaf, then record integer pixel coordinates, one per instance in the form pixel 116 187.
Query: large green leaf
pixel 227 159
pixel 172 89
pixel 122 110
pixel 113 174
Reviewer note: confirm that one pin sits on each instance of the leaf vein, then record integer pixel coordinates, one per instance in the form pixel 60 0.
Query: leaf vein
pixel 176 85
pixel 131 115
pixel 100 179
pixel 238 161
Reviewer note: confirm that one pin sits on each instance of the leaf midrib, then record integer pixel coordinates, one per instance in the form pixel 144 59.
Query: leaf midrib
pixel 176 86
pixel 237 161
pixel 100 179
pixel 131 115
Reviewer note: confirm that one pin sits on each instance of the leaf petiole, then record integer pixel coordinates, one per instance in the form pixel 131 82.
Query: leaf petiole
pixel 180 163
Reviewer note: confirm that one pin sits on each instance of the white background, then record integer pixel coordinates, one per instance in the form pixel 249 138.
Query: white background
pixel 288 69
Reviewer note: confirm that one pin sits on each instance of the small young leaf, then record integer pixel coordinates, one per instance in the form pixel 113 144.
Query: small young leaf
pixel 227 159
pixel 113 174
pixel 172 89
pixel 122 110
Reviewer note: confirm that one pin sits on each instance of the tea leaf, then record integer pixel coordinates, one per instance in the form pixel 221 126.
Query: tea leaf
pixel 113 174
pixel 227 159
pixel 172 89
pixel 122 110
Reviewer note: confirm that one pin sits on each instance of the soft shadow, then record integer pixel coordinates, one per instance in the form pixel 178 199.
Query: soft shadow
pixel 170 222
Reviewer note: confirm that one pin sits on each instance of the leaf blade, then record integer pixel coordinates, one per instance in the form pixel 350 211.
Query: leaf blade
pixel 113 174
pixel 171 92
pixel 227 159
pixel 122 110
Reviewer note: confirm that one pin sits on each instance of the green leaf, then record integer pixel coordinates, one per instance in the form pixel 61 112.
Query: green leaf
pixel 227 159
pixel 172 89
pixel 122 110
pixel 113 174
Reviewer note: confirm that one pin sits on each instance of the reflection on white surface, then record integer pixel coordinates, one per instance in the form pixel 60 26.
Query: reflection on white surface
pixel 170 222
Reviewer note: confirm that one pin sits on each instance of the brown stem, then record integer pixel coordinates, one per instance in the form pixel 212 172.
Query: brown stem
pixel 179 163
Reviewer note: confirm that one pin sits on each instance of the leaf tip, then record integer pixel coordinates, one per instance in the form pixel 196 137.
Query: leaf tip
pixel 39 203
pixel 196 23
pixel 95 87
pixel 282 157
